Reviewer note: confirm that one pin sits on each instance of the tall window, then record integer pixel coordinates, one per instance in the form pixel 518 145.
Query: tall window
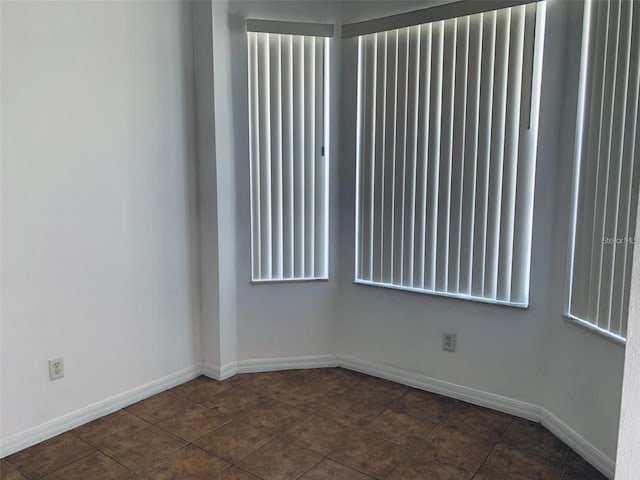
pixel 607 169
pixel 446 153
pixel 288 131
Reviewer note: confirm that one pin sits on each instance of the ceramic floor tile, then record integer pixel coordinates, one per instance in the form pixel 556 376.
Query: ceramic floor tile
pixel 319 434
pixel 478 421
pixel 334 380
pixel 9 472
pixel 577 468
pixel 369 454
pixel 194 422
pixel 417 468
pixel 351 408
pixel 328 469
pixel 236 439
pixel 109 428
pixel 275 415
pixel 425 405
pixel 44 458
pixel 534 438
pixel 235 473
pixel 401 428
pixel 188 463
pixel 509 463
pixel 235 401
pixel 144 448
pixel 201 390
pixel 271 383
pixel 382 390
pixel 96 466
pixel 280 460
pixel 159 407
pixel 456 448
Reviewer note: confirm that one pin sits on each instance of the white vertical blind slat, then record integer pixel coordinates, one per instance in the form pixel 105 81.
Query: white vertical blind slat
pixel 275 121
pixel 391 39
pixel 319 160
pixel 380 158
pixel 433 171
pixel 446 151
pixel 484 154
pixel 424 101
pixel 265 149
pixel 288 249
pixel 512 141
pixel 496 171
pixel 299 149
pixel 310 152
pixel 458 154
pixel 474 76
pixel 254 152
pixel 411 152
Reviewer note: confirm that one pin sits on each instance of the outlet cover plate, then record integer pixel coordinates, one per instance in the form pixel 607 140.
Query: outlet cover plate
pixel 56 368
pixel 449 342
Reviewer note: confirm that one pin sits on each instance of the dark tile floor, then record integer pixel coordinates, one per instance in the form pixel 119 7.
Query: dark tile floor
pixel 300 424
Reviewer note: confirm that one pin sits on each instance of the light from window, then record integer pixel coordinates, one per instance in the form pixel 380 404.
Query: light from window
pixel 606 172
pixel 447 130
pixel 288 156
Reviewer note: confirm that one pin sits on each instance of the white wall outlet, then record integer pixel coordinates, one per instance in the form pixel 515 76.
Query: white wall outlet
pixel 449 342
pixel 56 368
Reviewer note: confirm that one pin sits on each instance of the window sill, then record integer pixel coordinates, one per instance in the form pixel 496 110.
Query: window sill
pixel 501 303
pixel 289 280
pixel 617 339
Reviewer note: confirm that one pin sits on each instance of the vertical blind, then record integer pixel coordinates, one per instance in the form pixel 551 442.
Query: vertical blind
pixel 607 169
pixel 289 170
pixel 447 130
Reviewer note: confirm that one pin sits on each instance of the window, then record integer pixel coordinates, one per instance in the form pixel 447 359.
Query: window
pixel 288 114
pixel 446 152
pixel 606 172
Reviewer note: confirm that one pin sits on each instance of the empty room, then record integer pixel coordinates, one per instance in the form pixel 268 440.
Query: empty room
pixel 308 239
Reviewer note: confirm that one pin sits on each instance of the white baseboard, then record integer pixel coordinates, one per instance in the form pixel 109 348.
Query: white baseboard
pixel 470 395
pixel 269 365
pixel 478 397
pixel 220 373
pixel 72 420
pixel 287 363
pixel 581 445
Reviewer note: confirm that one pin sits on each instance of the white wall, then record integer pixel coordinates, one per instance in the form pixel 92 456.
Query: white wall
pixel 628 464
pixel 98 238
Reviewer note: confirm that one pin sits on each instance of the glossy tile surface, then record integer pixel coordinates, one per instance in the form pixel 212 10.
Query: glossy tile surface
pixel 301 425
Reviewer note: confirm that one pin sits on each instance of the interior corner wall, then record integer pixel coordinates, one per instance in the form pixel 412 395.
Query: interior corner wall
pixel 98 244
pixel 285 319
pixel 583 371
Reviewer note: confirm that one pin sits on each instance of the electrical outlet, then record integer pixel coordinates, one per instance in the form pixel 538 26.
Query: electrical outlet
pixel 449 342
pixel 56 368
